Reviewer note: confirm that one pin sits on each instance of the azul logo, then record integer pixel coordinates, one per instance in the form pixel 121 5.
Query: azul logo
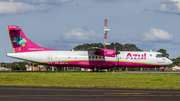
pixel 109 52
pixel 20 41
pixel 136 56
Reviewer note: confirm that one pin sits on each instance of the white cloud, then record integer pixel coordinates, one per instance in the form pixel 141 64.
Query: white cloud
pixel 82 35
pixel 169 6
pixel 25 6
pixel 157 34
pixel 56 2
pixel 75 37
pixel 17 7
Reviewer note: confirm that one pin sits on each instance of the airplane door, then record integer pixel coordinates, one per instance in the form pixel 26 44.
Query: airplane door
pixel 49 59
pixel 117 59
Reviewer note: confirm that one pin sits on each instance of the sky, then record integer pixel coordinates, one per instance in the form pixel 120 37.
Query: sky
pixel 64 24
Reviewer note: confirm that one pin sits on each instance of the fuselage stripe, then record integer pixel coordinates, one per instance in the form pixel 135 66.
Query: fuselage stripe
pixel 103 61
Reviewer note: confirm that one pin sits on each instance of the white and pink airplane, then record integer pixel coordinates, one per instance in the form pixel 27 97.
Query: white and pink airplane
pixel 94 58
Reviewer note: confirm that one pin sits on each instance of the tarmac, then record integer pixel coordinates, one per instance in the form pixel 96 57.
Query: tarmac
pixel 24 93
pixel 21 93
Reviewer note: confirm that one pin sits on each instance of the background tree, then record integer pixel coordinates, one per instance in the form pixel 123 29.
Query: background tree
pixel 176 62
pixel 130 47
pixel 15 66
pixel 118 45
pixel 18 66
pixel 85 47
pixel 126 47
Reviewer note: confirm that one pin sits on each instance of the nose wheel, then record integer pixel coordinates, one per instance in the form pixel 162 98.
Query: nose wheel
pixel 162 70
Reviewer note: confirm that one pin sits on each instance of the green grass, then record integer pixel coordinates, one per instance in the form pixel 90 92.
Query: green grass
pixel 110 80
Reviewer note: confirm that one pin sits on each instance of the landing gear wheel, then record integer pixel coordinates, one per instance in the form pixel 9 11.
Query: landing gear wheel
pixel 98 69
pixel 162 70
pixel 95 70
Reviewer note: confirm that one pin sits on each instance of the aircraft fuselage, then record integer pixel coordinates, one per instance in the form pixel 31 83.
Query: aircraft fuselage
pixel 86 60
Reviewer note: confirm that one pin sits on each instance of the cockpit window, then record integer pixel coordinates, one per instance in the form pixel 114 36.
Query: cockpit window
pixel 160 55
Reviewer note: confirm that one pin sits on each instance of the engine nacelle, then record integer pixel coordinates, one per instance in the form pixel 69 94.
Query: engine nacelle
pixel 106 52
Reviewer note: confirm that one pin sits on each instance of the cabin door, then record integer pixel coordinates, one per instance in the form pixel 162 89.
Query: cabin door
pixel 117 59
pixel 49 59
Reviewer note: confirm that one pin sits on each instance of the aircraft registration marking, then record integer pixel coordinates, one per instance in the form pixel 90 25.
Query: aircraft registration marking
pixel 61 63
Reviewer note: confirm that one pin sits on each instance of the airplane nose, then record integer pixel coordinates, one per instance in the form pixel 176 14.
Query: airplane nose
pixel 170 62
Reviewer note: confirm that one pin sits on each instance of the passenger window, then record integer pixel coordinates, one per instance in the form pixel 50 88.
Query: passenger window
pixel 96 57
pixel 89 57
pixel 93 57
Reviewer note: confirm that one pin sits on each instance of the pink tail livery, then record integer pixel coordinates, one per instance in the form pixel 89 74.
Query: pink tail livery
pixel 21 43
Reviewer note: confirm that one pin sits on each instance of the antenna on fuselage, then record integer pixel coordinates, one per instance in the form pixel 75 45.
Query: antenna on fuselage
pixel 105 34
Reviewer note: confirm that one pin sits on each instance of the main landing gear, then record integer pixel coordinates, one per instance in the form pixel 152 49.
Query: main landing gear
pixel 162 70
pixel 96 69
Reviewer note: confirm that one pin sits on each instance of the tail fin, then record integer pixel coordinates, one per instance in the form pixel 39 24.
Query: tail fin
pixel 21 43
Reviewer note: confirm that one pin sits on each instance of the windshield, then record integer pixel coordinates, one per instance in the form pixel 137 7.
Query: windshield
pixel 160 55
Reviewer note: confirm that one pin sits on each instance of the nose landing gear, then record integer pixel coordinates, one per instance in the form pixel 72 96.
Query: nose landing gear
pixel 162 69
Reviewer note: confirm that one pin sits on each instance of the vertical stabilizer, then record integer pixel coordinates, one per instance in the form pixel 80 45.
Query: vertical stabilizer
pixel 21 43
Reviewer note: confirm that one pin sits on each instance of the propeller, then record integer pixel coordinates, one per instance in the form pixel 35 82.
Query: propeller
pixel 117 51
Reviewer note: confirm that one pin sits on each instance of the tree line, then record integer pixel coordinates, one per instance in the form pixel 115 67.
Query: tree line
pixel 115 46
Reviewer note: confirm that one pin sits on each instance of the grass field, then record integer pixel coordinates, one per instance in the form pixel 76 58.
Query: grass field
pixel 110 80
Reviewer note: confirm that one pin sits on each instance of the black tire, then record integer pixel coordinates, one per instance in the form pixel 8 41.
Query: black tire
pixel 162 70
pixel 95 69
pixel 98 69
